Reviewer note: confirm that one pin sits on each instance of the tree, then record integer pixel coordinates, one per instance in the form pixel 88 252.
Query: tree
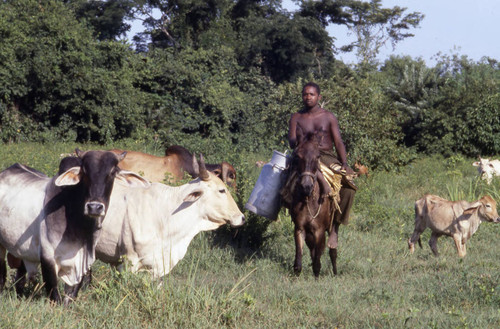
pixel 58 82
pixel 107 18
pixel 375 26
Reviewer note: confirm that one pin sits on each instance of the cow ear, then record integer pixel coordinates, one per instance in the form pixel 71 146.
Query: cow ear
pixel 472 208
pixel 69 177
pixel 132 179
pixel 193 196
pixel 475 164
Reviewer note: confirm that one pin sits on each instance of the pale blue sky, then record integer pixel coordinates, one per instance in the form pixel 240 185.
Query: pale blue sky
pixel 450 26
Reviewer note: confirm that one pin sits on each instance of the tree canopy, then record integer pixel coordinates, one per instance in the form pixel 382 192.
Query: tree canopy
pixel 223 75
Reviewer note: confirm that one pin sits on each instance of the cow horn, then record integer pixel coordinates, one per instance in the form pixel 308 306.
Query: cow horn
pixel 224 172
pixel 203 170
pixel 196 167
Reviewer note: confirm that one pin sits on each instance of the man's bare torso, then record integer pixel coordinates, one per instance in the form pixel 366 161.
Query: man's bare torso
pixel 318 122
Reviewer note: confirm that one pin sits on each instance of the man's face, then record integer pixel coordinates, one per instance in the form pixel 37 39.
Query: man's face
pixel 310 97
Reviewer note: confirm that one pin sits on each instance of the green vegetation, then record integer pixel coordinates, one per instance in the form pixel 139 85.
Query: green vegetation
pixel 243 278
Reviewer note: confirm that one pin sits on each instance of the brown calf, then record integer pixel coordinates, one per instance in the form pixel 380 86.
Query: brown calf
pixel 458 219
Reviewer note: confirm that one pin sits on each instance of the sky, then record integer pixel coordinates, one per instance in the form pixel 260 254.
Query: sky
pixel 462 27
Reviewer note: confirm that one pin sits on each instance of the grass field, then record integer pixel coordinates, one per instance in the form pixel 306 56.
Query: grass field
pixel 223 282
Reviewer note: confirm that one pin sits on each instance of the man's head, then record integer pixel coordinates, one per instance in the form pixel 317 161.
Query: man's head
pixel 311 84
pixel 310 95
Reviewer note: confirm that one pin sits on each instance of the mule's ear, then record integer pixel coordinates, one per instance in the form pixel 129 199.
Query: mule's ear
pixel 79 153
pixel 69 177
pixel 193 196
pixel 132 179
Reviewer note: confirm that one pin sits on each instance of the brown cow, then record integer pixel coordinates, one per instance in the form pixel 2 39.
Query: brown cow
pixel 458 219
pixel 310 211
pixel 176 161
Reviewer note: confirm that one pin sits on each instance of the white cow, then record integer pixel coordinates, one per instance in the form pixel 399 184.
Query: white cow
pixel 487 169
pixel 458 219
pixel 152 228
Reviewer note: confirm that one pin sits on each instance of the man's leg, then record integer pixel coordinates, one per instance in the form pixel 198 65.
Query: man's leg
pixel 342 216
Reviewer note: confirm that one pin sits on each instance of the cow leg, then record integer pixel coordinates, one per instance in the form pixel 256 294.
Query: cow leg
pixel 49 276
pixel 414 238
pixel 299 245
pixel 3 268
pixel 71 292
pixel 460 245
pixel 86 280
pixel 420 227
pixel 433 243
pixel 20 279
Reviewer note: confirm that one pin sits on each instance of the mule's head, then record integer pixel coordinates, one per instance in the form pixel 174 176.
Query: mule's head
pixel 307 164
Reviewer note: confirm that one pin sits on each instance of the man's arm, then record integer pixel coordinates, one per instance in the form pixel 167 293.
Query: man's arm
pixel 338 142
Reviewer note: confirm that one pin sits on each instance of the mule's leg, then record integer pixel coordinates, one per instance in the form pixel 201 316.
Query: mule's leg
pixel 333 259
pixel 433 243
pixel 299 245
pixel 333 251
pixel 3 267
pixel 20 278
pixel 318 248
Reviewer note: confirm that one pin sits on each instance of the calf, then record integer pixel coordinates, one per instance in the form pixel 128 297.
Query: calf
pixel 487 169
pixel 458 219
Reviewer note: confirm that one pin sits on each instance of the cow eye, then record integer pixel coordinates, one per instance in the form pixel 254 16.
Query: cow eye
pixel 222 190
pixel 488 206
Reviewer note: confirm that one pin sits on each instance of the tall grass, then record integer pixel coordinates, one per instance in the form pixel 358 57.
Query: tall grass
pixel 225 283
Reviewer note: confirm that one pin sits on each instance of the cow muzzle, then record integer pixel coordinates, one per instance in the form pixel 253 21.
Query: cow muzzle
pixel 95 209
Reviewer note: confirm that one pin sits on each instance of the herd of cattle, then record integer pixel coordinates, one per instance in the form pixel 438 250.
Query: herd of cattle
pixel 113 206
pixel 95 208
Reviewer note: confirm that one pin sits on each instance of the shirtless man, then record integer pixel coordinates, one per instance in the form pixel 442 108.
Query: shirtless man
pixel 313 119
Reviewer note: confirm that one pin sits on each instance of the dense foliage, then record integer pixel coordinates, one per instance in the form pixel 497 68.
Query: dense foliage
pixel 224 76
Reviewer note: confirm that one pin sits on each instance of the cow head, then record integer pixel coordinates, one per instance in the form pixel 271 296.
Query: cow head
pixel 224 171
pixel 217 204
pixel 486 169
pixel 487 209
pixel 306 162
pixel 96 174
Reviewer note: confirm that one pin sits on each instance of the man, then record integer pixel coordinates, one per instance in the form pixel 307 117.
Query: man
pixel 313 119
